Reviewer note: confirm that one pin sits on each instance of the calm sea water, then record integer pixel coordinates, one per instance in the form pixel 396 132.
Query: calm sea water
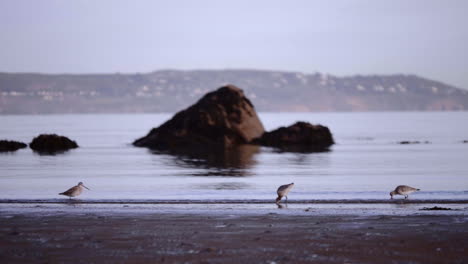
pixel 366 162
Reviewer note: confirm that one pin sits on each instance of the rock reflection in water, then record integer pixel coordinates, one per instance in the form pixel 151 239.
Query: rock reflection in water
pixel 234 161
pixel 51 153
pixel 310 159
pixel 225 186
pixel 300 149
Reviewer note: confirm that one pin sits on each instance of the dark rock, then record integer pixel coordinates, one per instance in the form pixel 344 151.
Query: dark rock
pixel 208 250
pixel 465 141
pixel 9 145
pixel 407 142
pixel 435 208
pixel 14 233
pixel 301 136
pixel 223 118
pixel 51 143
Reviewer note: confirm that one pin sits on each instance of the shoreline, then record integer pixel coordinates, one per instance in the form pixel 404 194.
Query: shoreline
pixel 74 207
pixel 231 201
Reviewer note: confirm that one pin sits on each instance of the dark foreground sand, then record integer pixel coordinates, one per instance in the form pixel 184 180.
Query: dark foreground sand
pixel 218 238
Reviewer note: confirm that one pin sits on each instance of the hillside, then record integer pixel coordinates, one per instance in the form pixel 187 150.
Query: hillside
pixel 171 90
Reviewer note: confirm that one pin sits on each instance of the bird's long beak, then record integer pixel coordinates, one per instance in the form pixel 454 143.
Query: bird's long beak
pixel 86 187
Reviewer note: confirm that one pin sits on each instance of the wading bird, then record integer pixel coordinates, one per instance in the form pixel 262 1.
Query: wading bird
pixel 283 190
pixel 74 191
pixel 403 190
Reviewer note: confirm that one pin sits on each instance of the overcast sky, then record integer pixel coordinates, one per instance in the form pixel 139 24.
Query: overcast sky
pixel 424 37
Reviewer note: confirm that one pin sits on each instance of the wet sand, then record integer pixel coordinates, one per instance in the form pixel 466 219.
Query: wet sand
pixel 181 236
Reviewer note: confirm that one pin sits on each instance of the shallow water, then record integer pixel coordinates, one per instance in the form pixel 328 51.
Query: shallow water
pixel 233 209
pixel 366 163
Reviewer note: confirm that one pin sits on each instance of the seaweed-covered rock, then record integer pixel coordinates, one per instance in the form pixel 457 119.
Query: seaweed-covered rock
pixel 10 145
pixel 52 143
pixel 223 118
pixel 301 136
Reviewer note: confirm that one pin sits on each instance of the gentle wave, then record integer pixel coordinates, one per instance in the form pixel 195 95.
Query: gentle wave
pixel 251 201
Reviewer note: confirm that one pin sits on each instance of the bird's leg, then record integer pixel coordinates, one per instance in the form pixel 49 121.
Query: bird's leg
pixel 278 200
pixel 406 196
pixel 286 199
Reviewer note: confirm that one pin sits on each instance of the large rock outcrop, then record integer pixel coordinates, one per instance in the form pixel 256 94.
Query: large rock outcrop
pixel 223 118
pixel 9 145
pixel 301 136
pixel 51 143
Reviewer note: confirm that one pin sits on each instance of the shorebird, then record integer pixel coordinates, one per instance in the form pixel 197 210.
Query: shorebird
pixel 283 190
pixel 403 190
pixel 74 191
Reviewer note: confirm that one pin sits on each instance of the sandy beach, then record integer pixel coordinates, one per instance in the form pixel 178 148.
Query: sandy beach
pixel 129 234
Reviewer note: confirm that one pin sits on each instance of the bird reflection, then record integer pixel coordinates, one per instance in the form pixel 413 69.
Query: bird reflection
pixel 282 206
pixel 72 203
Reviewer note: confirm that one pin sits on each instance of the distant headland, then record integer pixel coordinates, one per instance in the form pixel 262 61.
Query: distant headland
pixel 273 91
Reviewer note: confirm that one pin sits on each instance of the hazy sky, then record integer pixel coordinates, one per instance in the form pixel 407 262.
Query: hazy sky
pixel 424 37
